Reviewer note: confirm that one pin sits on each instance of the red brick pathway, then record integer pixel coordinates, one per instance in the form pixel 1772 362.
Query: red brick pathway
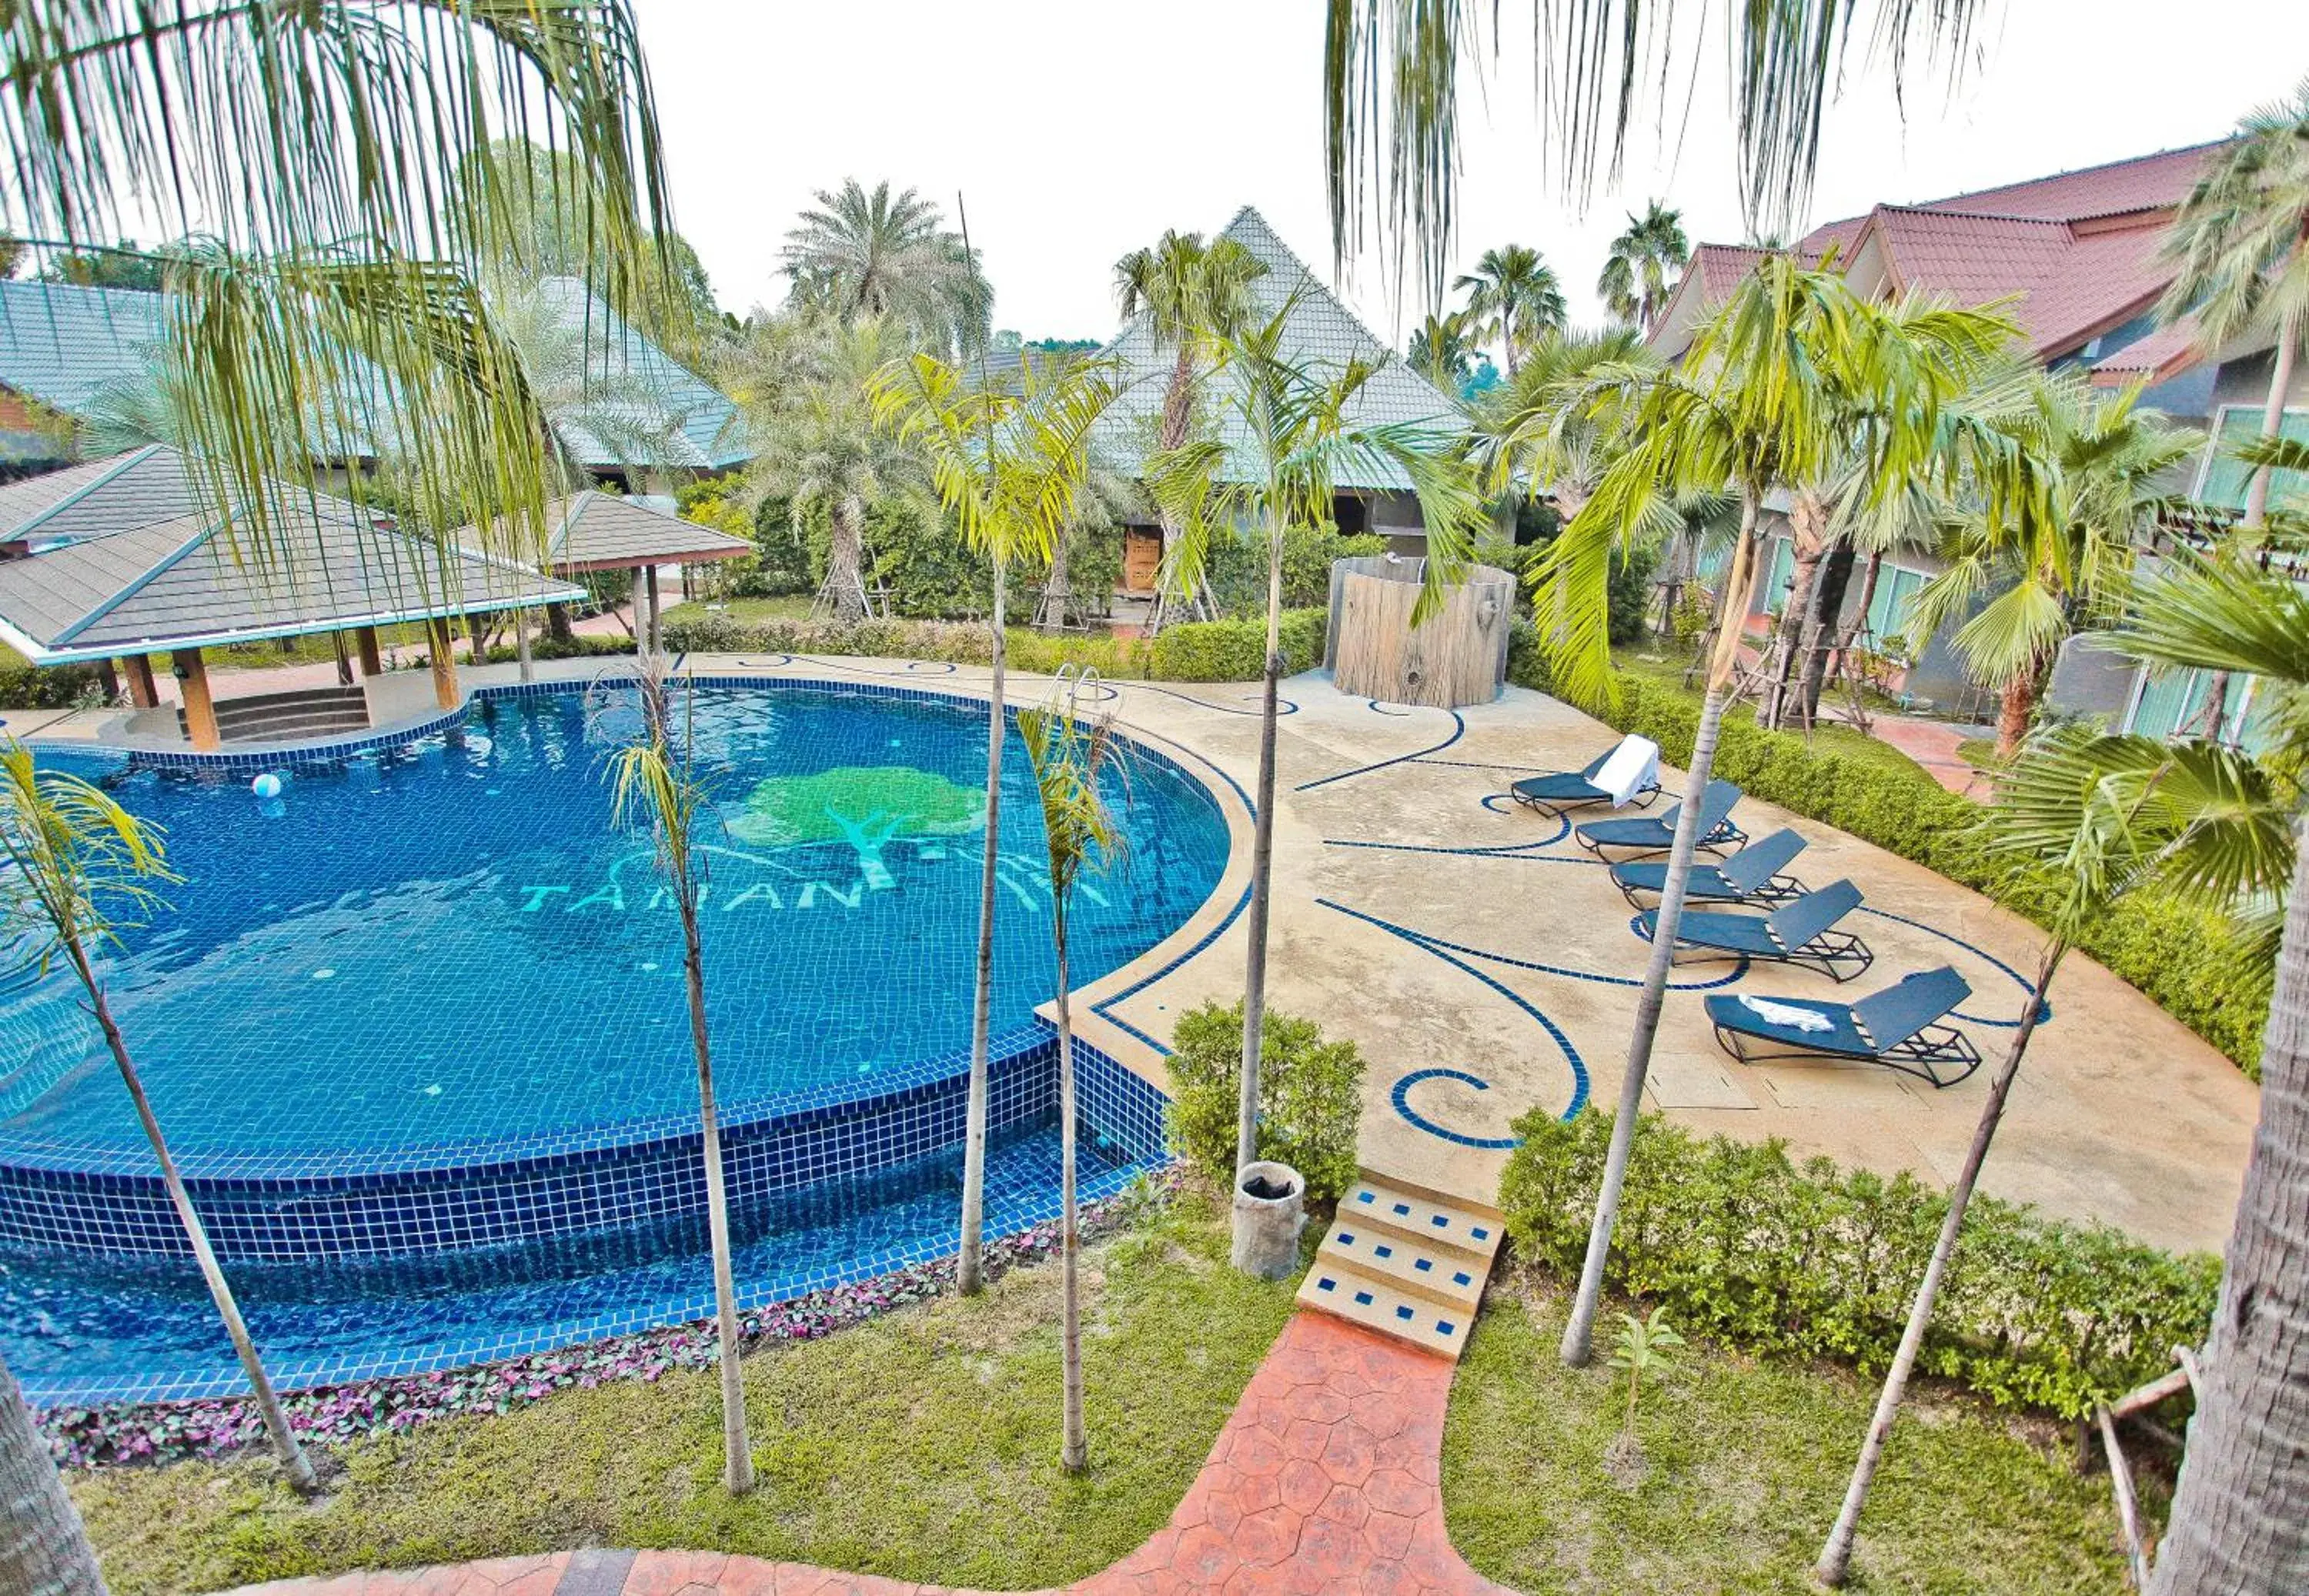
pixel 1934 746
pixel 1326 1479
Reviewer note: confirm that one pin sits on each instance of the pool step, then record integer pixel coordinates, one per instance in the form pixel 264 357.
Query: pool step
pixel 1406 1262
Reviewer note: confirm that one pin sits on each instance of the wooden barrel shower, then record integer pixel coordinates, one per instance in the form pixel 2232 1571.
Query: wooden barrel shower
pixel 1459 656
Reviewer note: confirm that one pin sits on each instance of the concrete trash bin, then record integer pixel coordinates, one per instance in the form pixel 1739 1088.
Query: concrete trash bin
pixel 1271 1209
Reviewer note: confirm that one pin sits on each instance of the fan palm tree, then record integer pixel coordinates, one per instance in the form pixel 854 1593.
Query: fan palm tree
pixel 2241 243
pixel 889 257
pixel 77 862
pixel 1011 467
pixel 805 382
pixel 2108 814
pixel 1190 292
pixel 44 1549
pixel 656 788
pixel 1512 295
pixel 1070 757
pixel 1442 350
pixel 1641 271
pixel 2236 1523
pixel 2049 575
pixel 367 120
pixel 1392 82
pixel 1777 382
pixel 1300 436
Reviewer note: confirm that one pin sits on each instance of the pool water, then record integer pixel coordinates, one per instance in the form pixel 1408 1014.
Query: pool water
pixel 448 947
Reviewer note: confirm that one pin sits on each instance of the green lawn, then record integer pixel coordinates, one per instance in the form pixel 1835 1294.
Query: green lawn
pixel 1747 1465
pixel 746 612
pixel 1665 667
pixel 925 1445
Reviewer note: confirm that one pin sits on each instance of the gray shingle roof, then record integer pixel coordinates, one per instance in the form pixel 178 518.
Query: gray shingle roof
pixel 1320 332
pixel 118 494
pixel 710 434
pixel 593 530
pixel 60 343
pixel 146 584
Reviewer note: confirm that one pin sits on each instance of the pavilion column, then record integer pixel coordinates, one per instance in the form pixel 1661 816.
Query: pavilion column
pixel 641 612
pixel 200 708
pixel 372 660
pixel 107 674
pixel 657 615
pixel 444 668
pixel 143 692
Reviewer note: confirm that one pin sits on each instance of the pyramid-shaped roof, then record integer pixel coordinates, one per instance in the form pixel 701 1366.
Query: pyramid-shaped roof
pixel 707 432
pixel 594 531
pixel 125 560
pixel 1321 333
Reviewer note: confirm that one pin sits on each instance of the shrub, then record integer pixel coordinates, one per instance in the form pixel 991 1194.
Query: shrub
pixel 24 686
pixel 1235 651
pixel 1309 1097
pixel 1235 569
pixel 1812 1261
pixel 2192 963
pixel 585 645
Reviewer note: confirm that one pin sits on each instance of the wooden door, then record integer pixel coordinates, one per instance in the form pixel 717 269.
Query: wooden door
pixel 1142 558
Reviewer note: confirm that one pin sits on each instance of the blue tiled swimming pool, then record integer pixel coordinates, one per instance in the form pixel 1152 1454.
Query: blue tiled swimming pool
pixel 420 1018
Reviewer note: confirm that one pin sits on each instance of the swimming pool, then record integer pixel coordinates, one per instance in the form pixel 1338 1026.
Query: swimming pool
pixel 429 1003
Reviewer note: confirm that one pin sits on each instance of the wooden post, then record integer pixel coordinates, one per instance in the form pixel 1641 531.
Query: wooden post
pixel 143 692
pixel 108 675
pixel 344 659
pixel 200 708
pixel 657 614
pixel 444 668
pixel 365 644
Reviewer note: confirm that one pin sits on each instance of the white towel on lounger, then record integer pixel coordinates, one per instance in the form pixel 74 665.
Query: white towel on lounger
pixel 1785 1014
pixel 1632 770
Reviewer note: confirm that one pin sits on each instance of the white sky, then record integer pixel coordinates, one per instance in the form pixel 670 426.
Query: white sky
pixel 1079 129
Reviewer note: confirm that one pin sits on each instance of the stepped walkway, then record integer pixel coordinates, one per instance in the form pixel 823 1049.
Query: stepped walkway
pixel 1327 1477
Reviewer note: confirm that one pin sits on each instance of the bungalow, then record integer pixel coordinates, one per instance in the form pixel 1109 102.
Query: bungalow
pixel 1319 332
pixel 2077 258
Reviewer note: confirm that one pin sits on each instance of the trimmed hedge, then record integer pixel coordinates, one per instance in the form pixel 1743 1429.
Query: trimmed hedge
pixel 24 686
pixel 2191 963
pixel 1818 1262
pixel 1310 1098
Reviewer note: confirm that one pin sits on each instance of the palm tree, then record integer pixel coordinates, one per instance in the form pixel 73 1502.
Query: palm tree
pixel 1513 296
pixel 363 140
pixel 1069 758
pixel 1441 350
pixel 77 861
pixel 1300 436
pixel 1641 271
pixel 805 382
pixel 2108 814
pixel 2051 574
pixel 1549 429
pixel 1774 384
pixel 889 257
pixel 1391 88
pixel 2236 1523
pixel 1011 467
pixel 44 1550
pixel 2241 241
pixel 1191 293
pixel 656 788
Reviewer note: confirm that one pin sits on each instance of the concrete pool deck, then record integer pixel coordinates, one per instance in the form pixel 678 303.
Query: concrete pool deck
pixel 1481 984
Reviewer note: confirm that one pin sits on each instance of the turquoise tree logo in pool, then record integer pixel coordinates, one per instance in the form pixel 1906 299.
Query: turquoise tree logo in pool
pixel 799 834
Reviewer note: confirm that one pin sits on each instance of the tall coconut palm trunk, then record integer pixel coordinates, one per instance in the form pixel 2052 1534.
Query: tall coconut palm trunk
pixel 2238 1521
pixel 44 1551
pixel 1074 1453
pixel 1834 1564
pixel 293 1460
pixel 968 1277
pixel 1578 1333
pixel 737 1456
pixel 1262 860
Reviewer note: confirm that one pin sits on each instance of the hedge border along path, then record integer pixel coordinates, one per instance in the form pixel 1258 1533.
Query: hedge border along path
pixel 2189 961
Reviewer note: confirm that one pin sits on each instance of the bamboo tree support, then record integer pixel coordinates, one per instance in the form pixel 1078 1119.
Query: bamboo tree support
pixel 2128 1505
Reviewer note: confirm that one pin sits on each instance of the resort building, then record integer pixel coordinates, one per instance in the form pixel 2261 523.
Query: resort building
pixel 114 562
pixel 1319 332
pixel 2076 261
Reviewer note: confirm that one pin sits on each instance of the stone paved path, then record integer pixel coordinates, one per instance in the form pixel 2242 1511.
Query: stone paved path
pixel 1326 1479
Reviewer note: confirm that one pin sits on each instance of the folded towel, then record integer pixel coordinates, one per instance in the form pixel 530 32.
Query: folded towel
pixel 1632 771
pixel 1786 1015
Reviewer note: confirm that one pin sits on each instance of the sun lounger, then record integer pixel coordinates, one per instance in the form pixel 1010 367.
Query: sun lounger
pixel 1800 933
pixel 1751 875
pixel 1898 1028
pixel 1596 782
pixel 1656 833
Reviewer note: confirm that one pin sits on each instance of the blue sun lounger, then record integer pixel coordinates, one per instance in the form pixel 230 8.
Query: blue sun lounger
pixel 1751 875
pixel 1572 790
pixel 1800 933
pixel 1898 1028
pixel 1656 833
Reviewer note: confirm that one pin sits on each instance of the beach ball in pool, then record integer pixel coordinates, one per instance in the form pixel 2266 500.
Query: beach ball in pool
pixel 267 786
